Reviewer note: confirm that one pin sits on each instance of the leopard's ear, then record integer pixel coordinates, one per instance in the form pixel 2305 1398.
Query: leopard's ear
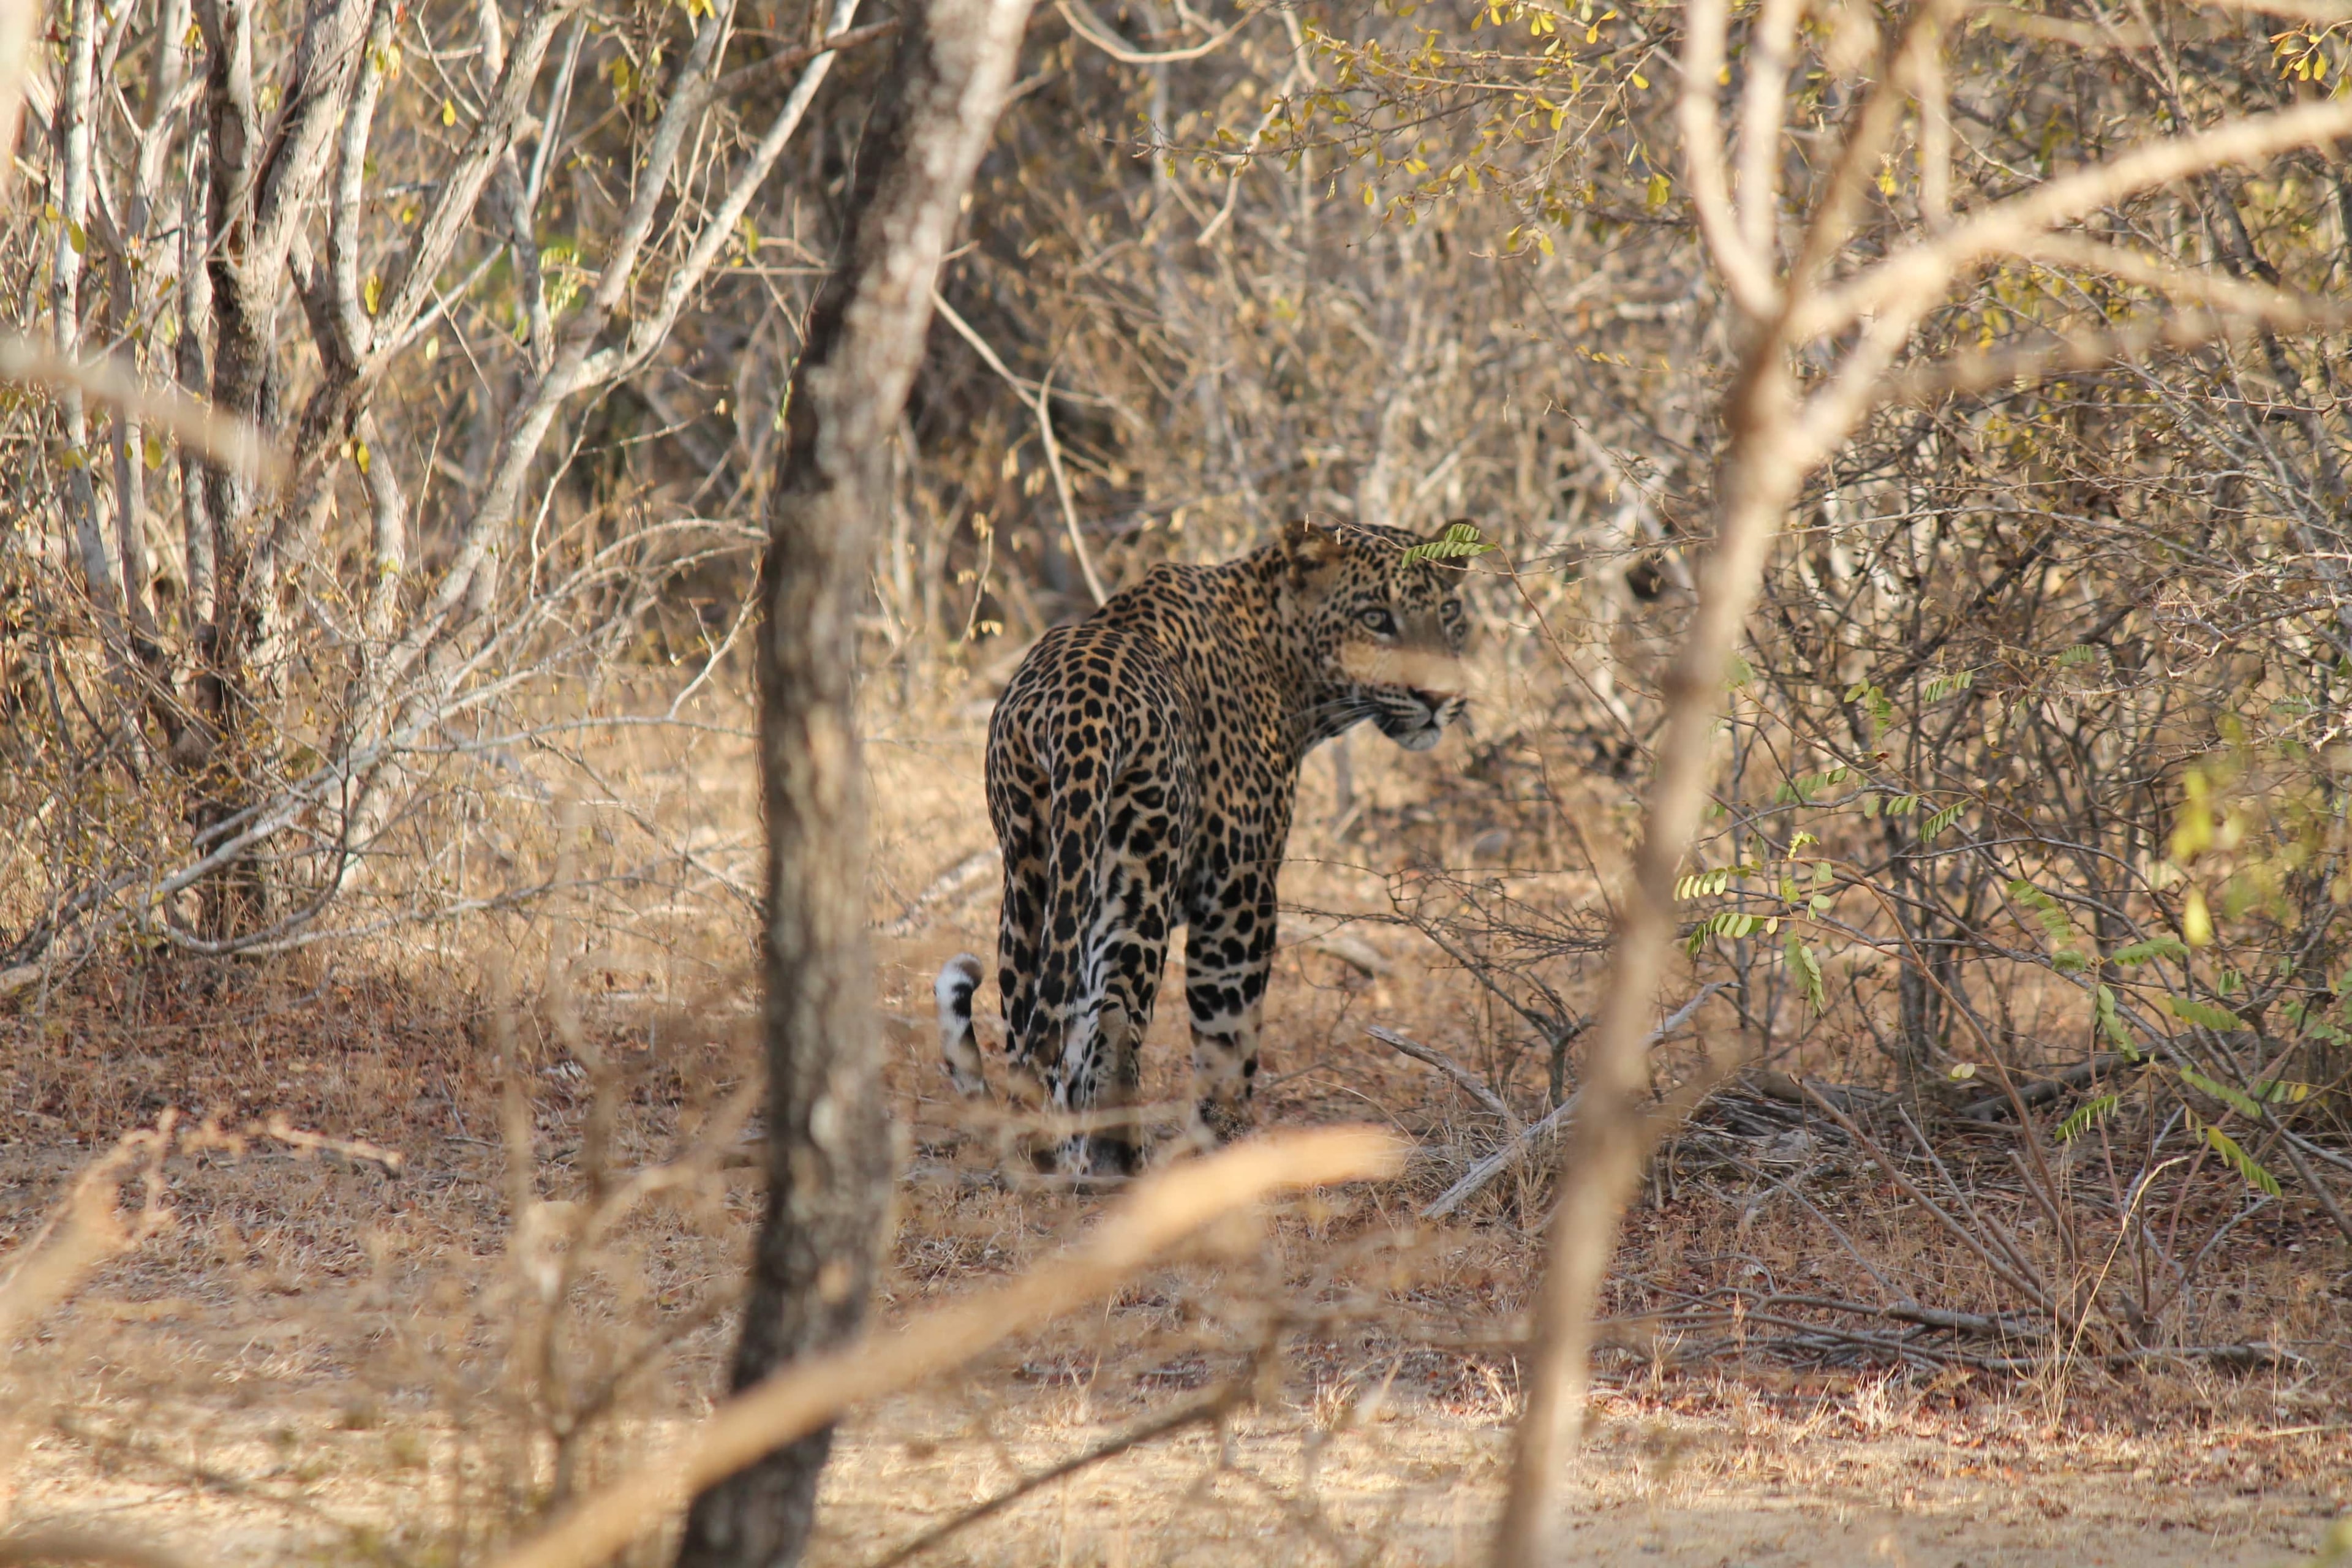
pixel 1310 547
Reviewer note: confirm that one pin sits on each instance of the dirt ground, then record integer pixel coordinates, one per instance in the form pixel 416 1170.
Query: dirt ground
pixel 311 1358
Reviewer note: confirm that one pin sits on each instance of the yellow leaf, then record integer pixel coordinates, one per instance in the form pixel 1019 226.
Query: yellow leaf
pixel 2196 920
pixel 1641 81
pixel 449 112
pixel 372 292
pixel 360 454
pixel 1370 200
pixel 153 451
pixel 1659 190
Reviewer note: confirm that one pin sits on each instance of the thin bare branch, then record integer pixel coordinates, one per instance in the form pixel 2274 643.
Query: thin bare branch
pixel 1908 282
pixel 1096 31
pixel 1747 272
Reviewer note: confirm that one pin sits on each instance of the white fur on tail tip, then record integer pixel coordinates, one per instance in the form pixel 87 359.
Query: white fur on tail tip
pixel 959 978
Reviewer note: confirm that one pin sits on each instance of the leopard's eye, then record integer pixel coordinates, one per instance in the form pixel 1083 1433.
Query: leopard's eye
pixel 1450 611
pixel 1377 621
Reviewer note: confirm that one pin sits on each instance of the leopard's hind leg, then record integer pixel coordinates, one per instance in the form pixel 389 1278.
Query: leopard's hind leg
pixel 1100 1076
pixel 1078 1012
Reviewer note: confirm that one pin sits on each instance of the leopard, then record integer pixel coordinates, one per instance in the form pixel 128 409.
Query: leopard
pixel 1142 772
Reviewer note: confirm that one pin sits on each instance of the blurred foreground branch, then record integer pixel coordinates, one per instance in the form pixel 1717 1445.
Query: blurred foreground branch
pixel 1161 1211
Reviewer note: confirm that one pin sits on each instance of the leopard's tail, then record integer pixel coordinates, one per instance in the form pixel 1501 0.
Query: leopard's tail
pixel 959 978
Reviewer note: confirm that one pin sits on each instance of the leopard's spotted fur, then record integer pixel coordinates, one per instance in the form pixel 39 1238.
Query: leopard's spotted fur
pixel 1142 767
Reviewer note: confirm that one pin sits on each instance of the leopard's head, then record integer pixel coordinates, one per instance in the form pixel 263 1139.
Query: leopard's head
pixel 1378 633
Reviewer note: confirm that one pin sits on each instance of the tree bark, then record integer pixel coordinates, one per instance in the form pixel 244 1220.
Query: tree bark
pixel 829 1164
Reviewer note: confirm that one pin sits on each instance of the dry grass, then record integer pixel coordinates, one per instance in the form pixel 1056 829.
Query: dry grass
pixel 315 1358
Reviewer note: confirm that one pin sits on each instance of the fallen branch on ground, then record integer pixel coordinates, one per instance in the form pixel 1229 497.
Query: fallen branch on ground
pixel 1993 1108
pixel 1476 1178
pixel 1463 1076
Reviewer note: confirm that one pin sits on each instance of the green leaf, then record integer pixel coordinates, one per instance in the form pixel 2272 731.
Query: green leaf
pixel 1459 540
pixel 1710 884
pixel 2231 1098
pixel 2088 1115
pixel 1805 968
pixel 2203 1013
pixel 2111 1023
pixel 2282 1091
pixel 1935 688
pixel 1942 819
pixel 2153 947
pixel 2238 1159
pixel 2048 912
pixel 2081 653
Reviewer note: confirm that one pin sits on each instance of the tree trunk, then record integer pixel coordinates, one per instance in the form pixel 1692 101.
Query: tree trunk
pixel 829 1166
pixel 1610 1139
